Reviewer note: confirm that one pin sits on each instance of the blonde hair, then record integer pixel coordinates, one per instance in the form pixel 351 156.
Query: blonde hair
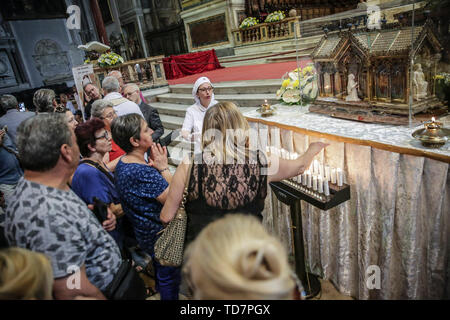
pixel 25 275
pixel 225 132
pixel 236 258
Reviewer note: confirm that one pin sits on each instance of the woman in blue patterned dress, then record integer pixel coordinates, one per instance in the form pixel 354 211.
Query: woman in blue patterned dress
pixel 143 187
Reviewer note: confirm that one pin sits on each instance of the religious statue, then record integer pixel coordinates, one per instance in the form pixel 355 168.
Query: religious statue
pixel 352 91
pixel 420 85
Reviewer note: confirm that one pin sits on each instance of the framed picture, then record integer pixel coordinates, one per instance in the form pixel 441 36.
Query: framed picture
pixel 105 8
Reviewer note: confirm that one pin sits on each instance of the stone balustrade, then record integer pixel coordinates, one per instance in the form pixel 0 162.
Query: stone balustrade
pixel 152 71
pixel 265 32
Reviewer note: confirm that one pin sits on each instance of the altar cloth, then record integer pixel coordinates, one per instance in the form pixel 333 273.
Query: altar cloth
pixel 398 217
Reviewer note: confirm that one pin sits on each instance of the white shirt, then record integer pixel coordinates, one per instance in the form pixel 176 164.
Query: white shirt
pixel 69 105
pixel 124 108
pixel 193 121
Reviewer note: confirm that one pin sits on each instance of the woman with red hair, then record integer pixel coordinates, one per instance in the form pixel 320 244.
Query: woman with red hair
pixel 92 177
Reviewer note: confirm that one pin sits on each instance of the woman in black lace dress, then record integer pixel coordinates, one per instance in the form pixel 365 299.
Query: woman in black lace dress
pixel 228 177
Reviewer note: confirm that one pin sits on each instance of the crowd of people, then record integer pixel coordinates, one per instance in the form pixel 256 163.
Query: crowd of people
pixel 84 196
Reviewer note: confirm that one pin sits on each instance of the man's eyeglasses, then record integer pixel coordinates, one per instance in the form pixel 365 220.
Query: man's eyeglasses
pixel 130 93
pixel 110 115
pixel 105 135
pixel 206 89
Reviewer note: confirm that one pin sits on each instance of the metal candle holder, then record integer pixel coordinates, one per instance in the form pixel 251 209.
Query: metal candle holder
pixel 432 135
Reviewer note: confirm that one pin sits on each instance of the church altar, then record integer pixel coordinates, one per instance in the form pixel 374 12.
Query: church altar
pixel 398 215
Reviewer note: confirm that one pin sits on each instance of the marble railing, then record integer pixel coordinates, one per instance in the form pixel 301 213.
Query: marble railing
pixel 152 71
pixel 264 32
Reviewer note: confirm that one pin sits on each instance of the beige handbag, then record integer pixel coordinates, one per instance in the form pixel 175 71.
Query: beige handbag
pixel 169 248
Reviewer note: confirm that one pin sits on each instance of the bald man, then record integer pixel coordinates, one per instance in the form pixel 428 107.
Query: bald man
pixel 118 75
pixel 131 92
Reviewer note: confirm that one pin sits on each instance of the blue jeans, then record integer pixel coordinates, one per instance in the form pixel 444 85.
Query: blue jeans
pixel 168 280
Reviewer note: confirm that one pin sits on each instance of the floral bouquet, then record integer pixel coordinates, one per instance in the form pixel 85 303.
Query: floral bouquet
pixel 109 59
pixel 299 86
pixel 275 16
pixel 249 22
pixel 443 86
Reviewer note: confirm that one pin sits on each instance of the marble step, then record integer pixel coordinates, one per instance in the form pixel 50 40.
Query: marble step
pixel 234 87
pixel 170 109
pixel 171 122
pixel 291 57
pixel 241 100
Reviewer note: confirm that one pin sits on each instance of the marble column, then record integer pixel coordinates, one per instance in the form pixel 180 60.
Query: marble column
pixel 101 31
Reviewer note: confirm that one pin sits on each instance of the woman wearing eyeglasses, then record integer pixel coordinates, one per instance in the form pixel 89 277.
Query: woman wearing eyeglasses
pixel 92 177
pixel 104 110
pixel 203 93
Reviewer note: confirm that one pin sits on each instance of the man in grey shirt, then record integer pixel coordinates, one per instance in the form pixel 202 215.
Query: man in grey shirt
pixel 13 116
pixel 44 215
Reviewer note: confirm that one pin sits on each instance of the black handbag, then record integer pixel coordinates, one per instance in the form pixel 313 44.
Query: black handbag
pixel 127 284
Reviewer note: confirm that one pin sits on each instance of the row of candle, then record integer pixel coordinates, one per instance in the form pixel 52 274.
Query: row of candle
pixel 317 176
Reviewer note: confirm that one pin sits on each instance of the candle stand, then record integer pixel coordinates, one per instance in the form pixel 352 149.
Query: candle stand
pixel 291 193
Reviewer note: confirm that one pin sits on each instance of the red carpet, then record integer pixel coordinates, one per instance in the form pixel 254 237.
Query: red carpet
pixel 252 72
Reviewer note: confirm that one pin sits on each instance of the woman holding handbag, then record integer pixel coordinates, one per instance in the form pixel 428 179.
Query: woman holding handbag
pixel 92 177
pixel 227 177
pixel 143 189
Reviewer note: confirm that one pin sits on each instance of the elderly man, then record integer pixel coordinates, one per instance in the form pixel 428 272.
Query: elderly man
pixel 94 94
pixel 44 215
pixel 118 75
pixel 13 116
pixel 131 92
pixel 45 100
pixel 121 105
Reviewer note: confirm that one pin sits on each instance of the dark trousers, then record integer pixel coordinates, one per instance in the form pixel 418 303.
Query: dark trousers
pixel 168 280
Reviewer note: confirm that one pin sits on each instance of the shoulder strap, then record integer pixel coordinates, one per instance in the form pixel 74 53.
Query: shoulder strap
pixel 99 167
pixel 185 192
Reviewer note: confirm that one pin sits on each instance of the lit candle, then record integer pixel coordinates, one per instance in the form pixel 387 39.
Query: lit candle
pixel 333 175
pixel 320 184
pixel 308 179
pixel 340 177
pixel 315 183
pixel 326 188
pixel 327 173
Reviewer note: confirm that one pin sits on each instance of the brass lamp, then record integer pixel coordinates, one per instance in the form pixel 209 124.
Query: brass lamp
pixel 433 135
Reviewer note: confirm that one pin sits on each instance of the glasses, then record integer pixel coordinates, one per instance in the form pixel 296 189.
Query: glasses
pixel 129 93
pixel 110 115
pixel 206 89
pixel 105 135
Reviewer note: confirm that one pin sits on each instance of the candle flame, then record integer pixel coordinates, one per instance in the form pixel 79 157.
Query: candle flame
pixel 265 101
pixel 432 119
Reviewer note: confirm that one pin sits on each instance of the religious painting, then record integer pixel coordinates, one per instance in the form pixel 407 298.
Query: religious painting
pixel 327 84
pixel 398 82
pixel 208 31
pixel 105 8
pixel 31 9
pixel 382 82
pixel 133 45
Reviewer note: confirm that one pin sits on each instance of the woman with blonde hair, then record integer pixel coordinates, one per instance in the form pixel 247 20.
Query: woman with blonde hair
pixel 227 176
pixel 235 258
pixel 25 275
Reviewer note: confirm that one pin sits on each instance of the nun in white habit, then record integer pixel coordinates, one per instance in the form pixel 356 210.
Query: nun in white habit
pixel 203 93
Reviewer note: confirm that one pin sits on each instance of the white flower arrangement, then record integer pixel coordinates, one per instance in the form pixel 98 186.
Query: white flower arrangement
pixel 275 16
pixel 299 86
pixel 249 22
